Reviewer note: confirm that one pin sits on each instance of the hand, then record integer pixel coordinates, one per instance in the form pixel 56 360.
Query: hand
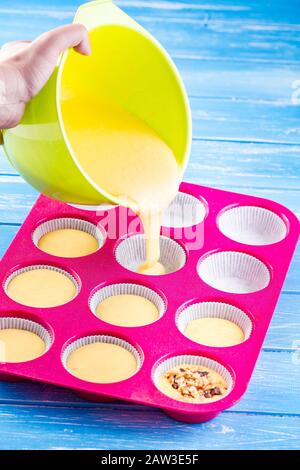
pixel 26 66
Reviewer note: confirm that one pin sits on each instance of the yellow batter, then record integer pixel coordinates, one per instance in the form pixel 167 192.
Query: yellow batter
pixel 127 310
pixel 20 345
pixel 68 243
pixel 214 332
pixel 193 384
pixel 123 155
pixel 41 288
pixel 102 363
pixel 157 269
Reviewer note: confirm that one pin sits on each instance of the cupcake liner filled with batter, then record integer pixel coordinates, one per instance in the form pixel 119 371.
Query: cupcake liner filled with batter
pixel 127 304
pixel 41 286
pixel 215 324
pixel 101 359
pixel 68 237
pixel 22 340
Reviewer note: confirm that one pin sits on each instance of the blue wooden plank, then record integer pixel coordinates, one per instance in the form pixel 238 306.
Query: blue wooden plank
pixel 265 393
pixel 238 120
pixel 85 428
pixel 292 282
pixel 245 164
pixel 205 39
pixel 16 199
pixel 219 119
pixel 231 163
pixel 202 37
pixel 239 79
pixel 284 331
pixel 5 165
pixel 247 11
pixel 245 121
pixel 7 234
pixel 275 385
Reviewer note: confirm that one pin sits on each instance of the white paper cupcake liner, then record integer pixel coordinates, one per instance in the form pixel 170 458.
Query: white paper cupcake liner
pixel 131 253
pixel 69 223
pixel 33 267
pixel 235 272
pixel 177 361
pixel 127 289
pixel 184 211
pixel 79 343
pixel 27 325
pixel 214 310
pixel 252 225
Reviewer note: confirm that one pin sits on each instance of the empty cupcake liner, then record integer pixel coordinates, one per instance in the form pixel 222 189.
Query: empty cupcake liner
pixel 235 272
pixel 131 253
pixel 252 225
pixel 184 211
pixel 214 310
pixel 27 325
pixel 79 343
pixel 33 267
pixel 127 289
pixel 177 361
pixel 68 223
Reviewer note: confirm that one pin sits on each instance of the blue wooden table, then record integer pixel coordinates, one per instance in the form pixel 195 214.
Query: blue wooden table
pixel 240 63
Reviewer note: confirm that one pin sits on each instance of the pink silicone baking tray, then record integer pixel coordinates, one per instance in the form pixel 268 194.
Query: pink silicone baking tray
pixel 160 340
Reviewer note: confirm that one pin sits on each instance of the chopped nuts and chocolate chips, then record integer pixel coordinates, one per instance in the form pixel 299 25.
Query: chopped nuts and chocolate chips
pixel 196 382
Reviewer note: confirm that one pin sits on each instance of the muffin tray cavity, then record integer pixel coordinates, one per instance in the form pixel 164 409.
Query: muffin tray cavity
pixel 226 256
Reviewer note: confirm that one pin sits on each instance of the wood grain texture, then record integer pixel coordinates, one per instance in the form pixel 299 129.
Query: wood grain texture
pixel 250 82
pixel 245 37
pixel 249 165
pixel 240 62
pixel 86 428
